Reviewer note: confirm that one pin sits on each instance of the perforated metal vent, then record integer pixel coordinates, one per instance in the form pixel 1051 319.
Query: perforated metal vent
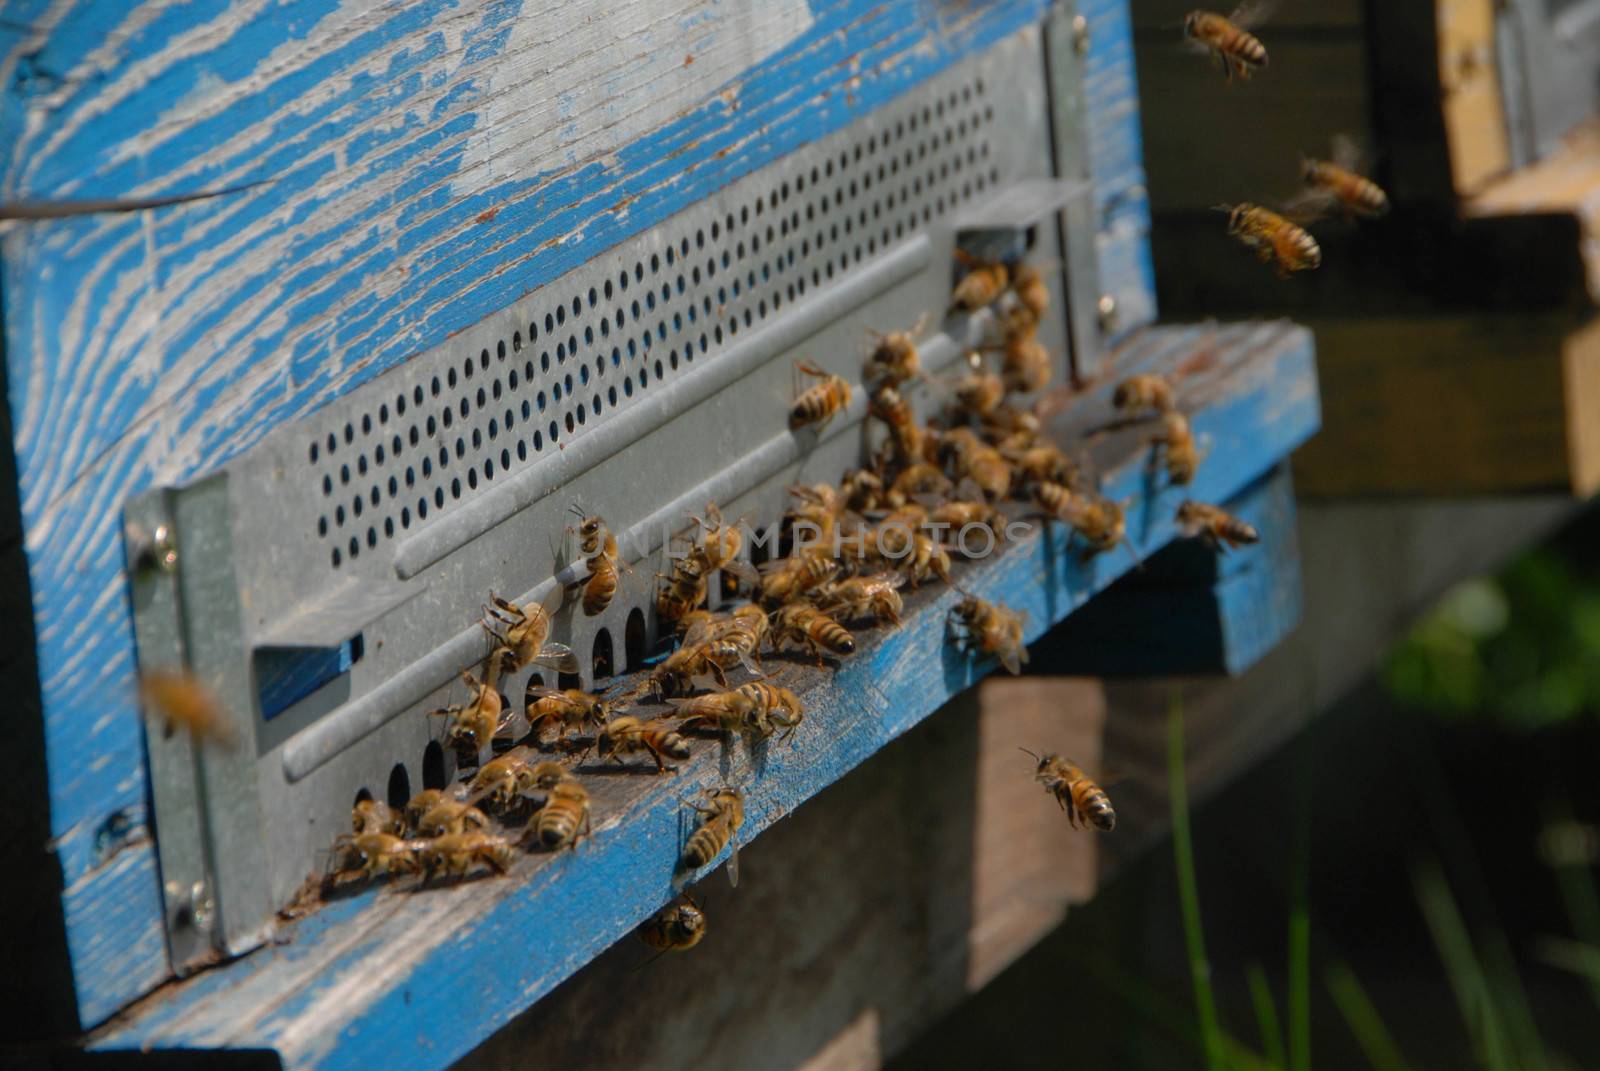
pixel 460 423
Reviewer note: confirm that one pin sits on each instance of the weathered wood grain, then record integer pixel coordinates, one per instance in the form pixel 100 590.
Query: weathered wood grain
pixel 426 164
pixel 1456 405
pixel 342 990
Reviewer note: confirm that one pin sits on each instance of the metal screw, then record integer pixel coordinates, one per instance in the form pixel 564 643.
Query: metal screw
pixel 1080 34
pixel 194 906
pixel 158 550
pixel 1107 308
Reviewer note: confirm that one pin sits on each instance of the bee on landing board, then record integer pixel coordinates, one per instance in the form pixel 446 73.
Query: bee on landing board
pixel 1287 246
pixel 1219 529
pixel 457 853
pixel 563 819
pixel 677 927
pixel 721 818
pixel 1336 183
pixel 659 738
pixel 803 623
pixel 376 854
pixel 984 628
pixel 1082 799
pixel 1142 393
pixel 820 402
pixel 375 816
pixel 1228 38
pixel 570 710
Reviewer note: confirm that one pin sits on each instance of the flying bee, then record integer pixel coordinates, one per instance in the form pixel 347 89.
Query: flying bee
pixel 658 738
pixel 523 632
pixel 894 359
pixel 1220 529
pixel 1025 363
pixel 570 710
pixel 564 818
pixel 481 718
pixel 1081 798
pixel 375 816
pixel 820 402
pixel 183 701
pixel 599 549
pixel 1033 294
pixel 457 853
pixel 723 817
pixel 449 817
pixel 1177 444
pixel 985 628
pixel 774 706
pixel 506 779
pixel 984 281
pixel 1330 183
pixel 675 928
pixel 861 598
pixel 1287 246
pixel 1229 39
pixel 786 579
pixel 1142 392
pixel 378 854
pixel 805 624
pixel 907 438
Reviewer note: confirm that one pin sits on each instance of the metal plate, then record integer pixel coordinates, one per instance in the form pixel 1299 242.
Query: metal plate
pixel 655 377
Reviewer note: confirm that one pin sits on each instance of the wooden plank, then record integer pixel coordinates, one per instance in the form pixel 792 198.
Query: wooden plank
pixel 1474 113
pixel 344 988
pixel 427 167
pixel 1456 405
pixel 1189 610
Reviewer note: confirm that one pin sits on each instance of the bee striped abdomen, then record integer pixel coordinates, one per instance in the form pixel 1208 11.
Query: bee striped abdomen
pixel 1093 806
pixel 705 844
pixel 602 585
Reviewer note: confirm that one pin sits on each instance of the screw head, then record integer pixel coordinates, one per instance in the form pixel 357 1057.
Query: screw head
pixel 1080 34
pixel 1107 308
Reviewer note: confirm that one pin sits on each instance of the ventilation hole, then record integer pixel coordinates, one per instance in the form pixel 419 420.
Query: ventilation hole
pixel 399 786
pixel 568 680
pixel 634 631
pixel 604 656
pixel 435 773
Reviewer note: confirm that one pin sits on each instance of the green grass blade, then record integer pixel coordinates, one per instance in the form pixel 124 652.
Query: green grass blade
pixel 1188 890
pixel 1461 966
pixel 1299 976
pixel 1377 1044
pixel 1575 956
pixel 1266 1015
pixel 1166 1015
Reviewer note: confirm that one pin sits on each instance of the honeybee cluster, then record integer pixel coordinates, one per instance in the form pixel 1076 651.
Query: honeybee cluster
pixel 1280 238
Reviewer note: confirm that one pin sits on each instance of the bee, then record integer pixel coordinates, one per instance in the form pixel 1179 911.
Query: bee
pixel 983 627
pixel 657 737
pixel 907 440
pixel 1145 391
pixel 980 393
pixel 457 853
pixel 1287 246
pixel 675 928
pixel 732 640
pixel 805 624
pixel 571 710
pixel 723 818
pixel 599 549
pixel 1033 294
pixel 375 816
pixel 420 804
pixel 380 853
pixel 918 559
pixel 1220 529
pixel 1099 521
pixel 1081 798
pixel 564 818
pixel 974 459
pixel 922 478
pixel 875 597
pixel 449 816
pixel 785 579
pixel 1229 39
pixel 685 588
pixel 1057 499
pixel 719 542
pixel 773 706
pixel 1176 441
pixel 727 712
pixel 984 281
pixel 862 489
pixel 481 718
pixel 522 633
pixel 183 701
pixel 1025 363
pixel 678 672
pixel 816 510
pixel 506 779
pixel 1335 182
pixel 894 359
pixel 820 402
pixel 1036 466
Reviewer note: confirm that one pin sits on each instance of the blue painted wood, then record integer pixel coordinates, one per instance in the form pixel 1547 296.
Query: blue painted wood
pixel 416 979
pixel 1111 85
pixel 1191 610
pixel 428 163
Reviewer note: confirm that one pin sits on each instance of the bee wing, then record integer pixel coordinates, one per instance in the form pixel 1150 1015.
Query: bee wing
pixel 746 574
pixel 1252 13
pixel 557 656
pixel 1309 205
pixel 969 491
pixel 548 693
pixel 1346 153
pixel 733 868
pixel 1011 662
pixel 698 633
